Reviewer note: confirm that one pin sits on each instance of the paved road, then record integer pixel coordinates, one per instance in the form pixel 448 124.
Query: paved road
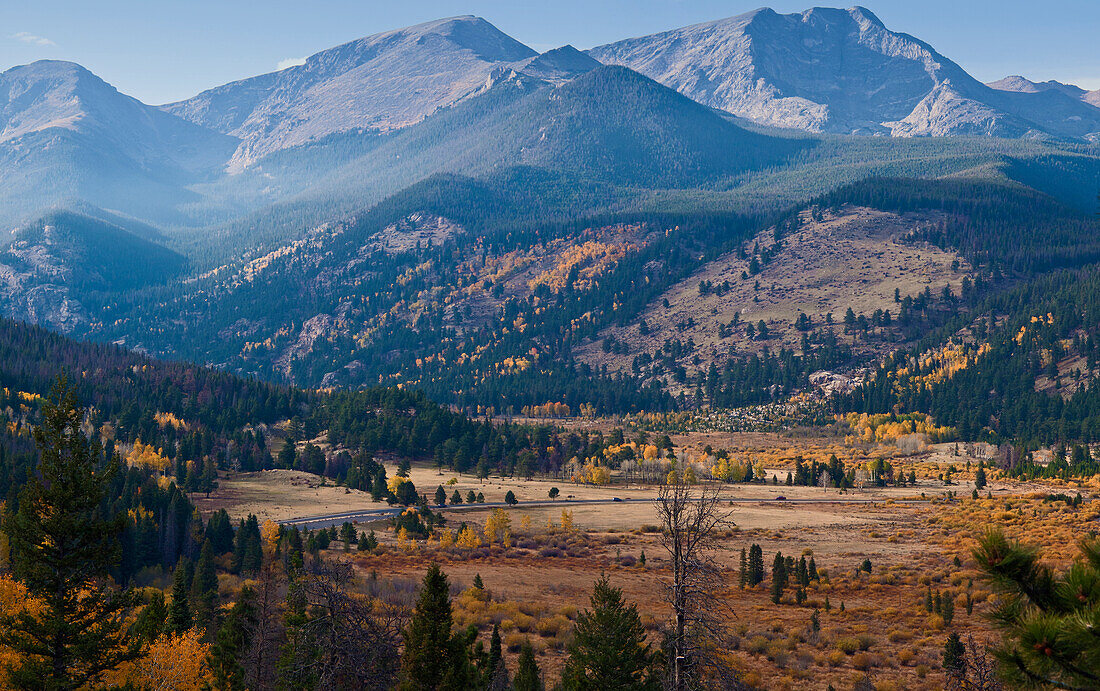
pixel 368 515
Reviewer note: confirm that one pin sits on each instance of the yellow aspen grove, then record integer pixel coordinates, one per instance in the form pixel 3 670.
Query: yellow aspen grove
pixel 269 533
pixel 174 662
pixel 446 538
pixel 498 526
pixel 469 538
pixel 567 525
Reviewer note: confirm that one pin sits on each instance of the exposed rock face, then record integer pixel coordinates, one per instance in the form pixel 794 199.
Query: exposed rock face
pixel 381 82
pixel 52 265
pixel 831 70
pixel 35 280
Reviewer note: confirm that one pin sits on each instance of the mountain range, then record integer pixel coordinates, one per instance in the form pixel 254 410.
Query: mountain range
pixel 444 207
pixel 67 136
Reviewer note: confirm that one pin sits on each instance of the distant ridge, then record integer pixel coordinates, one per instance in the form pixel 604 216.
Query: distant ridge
pixel 382 82
pixel 842 71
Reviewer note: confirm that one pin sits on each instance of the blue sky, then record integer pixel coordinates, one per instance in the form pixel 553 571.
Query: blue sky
pixel 166 50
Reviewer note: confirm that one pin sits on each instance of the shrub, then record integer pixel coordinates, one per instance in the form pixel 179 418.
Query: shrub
pixel 756 645
pixel 847 646
pixel 862 661
pixel 552 626
pixel 514 641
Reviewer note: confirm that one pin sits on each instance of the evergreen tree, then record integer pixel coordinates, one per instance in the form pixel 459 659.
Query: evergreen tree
pixel 779 577
pixel 62 550
pixel 528 677
pixel 179 612
pixel 219 532
pixel 288 455
pixel 743 572
pixel 232 642
pixel 954 656
pixel 756 565
pixel 609 648
pixel 204 589
pixel 495 649
pixel 440 496
pixel 1047 619
pixel 434 657
pixel 150 622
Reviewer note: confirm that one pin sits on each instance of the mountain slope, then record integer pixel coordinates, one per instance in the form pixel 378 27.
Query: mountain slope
pixel 609 124
pixel 52 265
pixel 381 82
pixel 831 70
pixel 66 135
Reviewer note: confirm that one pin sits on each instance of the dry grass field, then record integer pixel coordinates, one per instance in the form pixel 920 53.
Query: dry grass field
pixel 876 625
pixel 873 626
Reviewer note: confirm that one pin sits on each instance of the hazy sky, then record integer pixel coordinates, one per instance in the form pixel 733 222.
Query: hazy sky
pixel 166 50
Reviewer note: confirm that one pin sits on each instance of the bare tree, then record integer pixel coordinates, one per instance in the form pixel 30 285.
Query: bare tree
pixel 700 637
pixel 352 642
pixel 978 672
pixel 267 631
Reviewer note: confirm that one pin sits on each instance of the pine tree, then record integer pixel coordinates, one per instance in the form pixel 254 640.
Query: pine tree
pixel 812 568
pixel 756 565
pixel 232 642
pixel 440 496
pixel 528 677
pixel 609 648
pixel 150 622
pixel 179 612
pixel 434 657
pixel 980 480
pixel 204 588
pixel 495 652
pixel 954 656
pixel 62 550
pixel 779 577
pixel 1047 618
